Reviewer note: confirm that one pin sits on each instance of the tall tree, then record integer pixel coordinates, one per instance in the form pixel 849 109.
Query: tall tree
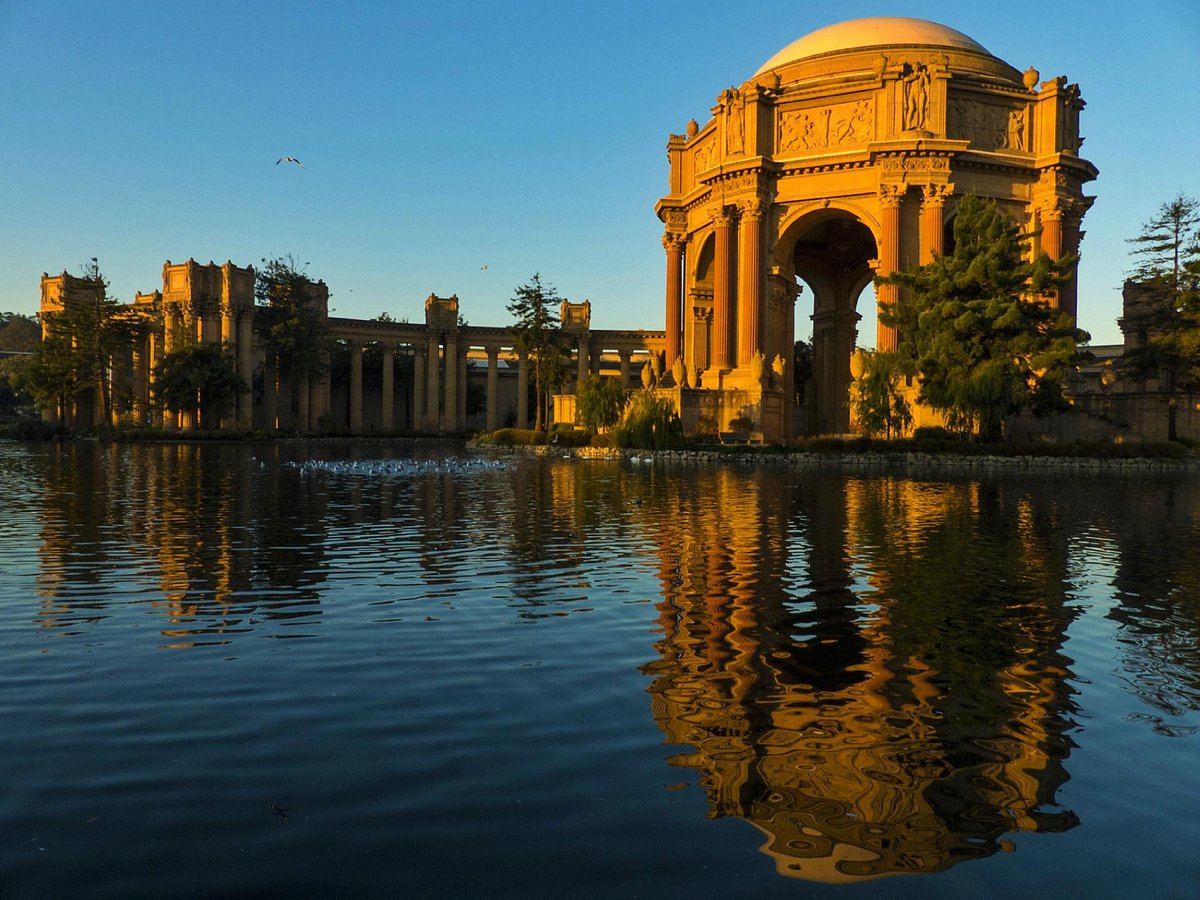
pixel 75 356
pixel 875 398
pixel 297 328
pixel 1167 272
pixel 19 334
pixel 199 376
pixel 600 400
pixel 977 327
pixel 537 333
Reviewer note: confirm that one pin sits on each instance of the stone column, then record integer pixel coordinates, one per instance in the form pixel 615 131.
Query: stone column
pixel 722 301
pixel 303 404
pixel 141 381
pixel 673 244
pixel 933 203
pixel 245 403
pixel 462 390
pixel 229 335
pixel 493 385
pixel 356 388
pixel 890 198
pixel 386 413
pixel 623 355
pixel 750 279
pixel 1068 294
pixel 451 417
pixel 582 363
pixel 522 391
pixel 419 371
pixel 433 389
pixel 271 393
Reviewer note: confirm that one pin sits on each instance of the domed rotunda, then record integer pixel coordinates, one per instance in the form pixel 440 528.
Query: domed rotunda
pixel 839 159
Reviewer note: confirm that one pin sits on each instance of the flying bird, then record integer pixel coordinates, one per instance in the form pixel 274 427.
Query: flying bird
pixel 290 159
pixel 483 268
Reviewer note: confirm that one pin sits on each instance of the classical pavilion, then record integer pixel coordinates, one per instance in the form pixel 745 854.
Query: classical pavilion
pixel 840 159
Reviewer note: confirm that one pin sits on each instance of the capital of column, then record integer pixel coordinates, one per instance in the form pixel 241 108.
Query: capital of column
pixel 673 242
pixel 892 195
pixel 721 216
pixel 755 207
pixel 936 194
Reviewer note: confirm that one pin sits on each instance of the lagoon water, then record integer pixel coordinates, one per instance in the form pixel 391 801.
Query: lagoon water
pixel 303 670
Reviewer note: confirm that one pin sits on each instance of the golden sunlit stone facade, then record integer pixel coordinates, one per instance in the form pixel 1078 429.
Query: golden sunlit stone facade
pixel 435 376
pixel 838 160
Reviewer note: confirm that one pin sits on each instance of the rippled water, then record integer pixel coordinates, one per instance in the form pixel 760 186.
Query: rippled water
pixel 292 670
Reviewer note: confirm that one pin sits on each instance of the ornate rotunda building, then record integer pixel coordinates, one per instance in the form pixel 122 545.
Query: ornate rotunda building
pixel 838 160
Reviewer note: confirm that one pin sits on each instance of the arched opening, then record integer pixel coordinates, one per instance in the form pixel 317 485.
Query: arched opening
pixel 832 256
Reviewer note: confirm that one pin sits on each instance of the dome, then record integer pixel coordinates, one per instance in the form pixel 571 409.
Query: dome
pixel 880 31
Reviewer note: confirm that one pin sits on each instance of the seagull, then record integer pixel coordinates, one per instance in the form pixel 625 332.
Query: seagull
pixel 290 159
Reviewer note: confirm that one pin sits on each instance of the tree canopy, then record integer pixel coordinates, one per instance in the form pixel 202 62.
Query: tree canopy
pixel 977 327
pixel 1167 272
pixel 72 361
pixel 600 401
pixel 538 334
pixel 199 376
pixel 296 329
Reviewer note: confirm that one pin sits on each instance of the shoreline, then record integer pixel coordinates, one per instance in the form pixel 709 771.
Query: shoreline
pixel 866 461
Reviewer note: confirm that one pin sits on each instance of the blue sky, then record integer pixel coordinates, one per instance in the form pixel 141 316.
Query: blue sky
pixel 438 139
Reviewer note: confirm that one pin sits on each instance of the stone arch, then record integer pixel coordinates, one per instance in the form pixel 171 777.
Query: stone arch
pixel 834 252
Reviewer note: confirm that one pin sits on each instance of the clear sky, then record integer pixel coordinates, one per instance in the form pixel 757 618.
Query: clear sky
pixel 441 138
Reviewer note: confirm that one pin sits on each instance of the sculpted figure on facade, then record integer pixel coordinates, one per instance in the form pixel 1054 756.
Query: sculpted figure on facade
pixel 1016 130
pixel 916 98
pixel 735 121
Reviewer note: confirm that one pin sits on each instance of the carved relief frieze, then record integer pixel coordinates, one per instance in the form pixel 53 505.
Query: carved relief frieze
pixel 706 154
pixel 676 220
pixel 839 125
pixel 902 168
pixel 988 126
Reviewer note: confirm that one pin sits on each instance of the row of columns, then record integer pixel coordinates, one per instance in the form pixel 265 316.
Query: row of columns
pixel 439 385
pixel 736 333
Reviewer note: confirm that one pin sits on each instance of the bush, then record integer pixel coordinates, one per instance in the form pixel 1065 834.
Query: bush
pixel 601 440
pixel 649 423
pixel 936 433
pixel 741 423
pixel 514 437
pixel 706 426
pixel 33 430
pixel 566 436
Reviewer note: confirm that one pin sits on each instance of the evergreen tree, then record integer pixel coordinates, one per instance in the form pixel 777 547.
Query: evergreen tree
pixel 1167 272
pixel 74 358
pixel 198 376
pixel 877 403
pixel 976 326
pixel 296 328
pixel 537 334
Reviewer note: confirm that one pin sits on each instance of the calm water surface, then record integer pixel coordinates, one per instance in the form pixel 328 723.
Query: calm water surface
pixel 309 671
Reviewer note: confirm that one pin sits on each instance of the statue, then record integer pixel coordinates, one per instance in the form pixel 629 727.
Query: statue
pixel 647 377
pixel 916 98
